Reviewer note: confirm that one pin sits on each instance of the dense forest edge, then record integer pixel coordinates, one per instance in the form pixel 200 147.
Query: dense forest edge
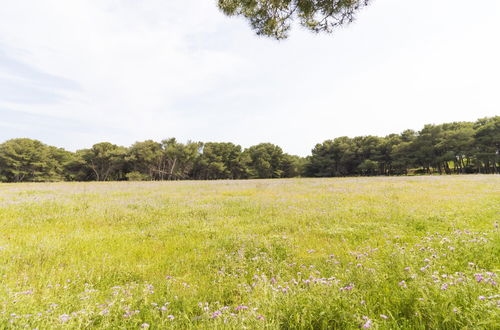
pixel 451 148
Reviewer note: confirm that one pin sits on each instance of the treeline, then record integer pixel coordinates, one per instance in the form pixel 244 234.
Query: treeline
pixel 31 160
pixel 460 147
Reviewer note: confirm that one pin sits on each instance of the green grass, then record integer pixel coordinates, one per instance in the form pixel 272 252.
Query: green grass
pixel 412 253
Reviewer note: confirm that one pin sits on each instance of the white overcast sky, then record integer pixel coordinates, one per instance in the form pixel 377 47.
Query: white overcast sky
pixel 73 73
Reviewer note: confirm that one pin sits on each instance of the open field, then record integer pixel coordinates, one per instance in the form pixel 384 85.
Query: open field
pixel 401 252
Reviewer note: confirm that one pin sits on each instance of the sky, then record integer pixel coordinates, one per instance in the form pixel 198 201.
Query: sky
pixel 74 73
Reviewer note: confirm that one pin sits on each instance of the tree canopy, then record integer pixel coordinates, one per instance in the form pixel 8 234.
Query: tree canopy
pixel 273 18
pixel 459 147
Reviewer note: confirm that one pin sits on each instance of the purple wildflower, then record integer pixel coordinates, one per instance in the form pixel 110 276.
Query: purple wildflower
pixel 64 318
pixel 368 324
pixel 216 314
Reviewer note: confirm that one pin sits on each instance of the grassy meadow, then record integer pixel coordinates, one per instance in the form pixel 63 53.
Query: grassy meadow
pixel 346 253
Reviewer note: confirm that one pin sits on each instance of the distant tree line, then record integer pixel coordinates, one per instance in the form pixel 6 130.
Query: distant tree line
pixel 460 147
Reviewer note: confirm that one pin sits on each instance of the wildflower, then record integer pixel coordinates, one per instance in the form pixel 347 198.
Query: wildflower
pixel 163 308
pixel 403 284
pixel 385 317
pixel 171 317
pixel 64 318
pixel 407 269
pixel 481 297
pixel 130 313
pixel 216 314
pixel 260 317
pixel 241 307
pixel 368 324
pixel 444 286
pixel 145 325
pixel 455 310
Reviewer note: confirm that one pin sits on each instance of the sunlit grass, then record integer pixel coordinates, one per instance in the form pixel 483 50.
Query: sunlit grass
pixel 418 252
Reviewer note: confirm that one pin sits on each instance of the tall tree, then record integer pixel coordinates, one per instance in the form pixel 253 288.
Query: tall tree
pixel 455 145
pixel 29 160
pixel 145 158
pixel 333 158
pixel 220 160
pixel 273 18
pixel 265 160
pixel 178 159
pixel 487 144
pixel 293 166
pixel 105 160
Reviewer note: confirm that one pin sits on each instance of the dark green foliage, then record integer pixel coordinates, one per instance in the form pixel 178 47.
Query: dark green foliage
pixel 103 162
pixel 31 160
pixel 145 158
pixel 486 144
pixel 460 147
pixel 265 160
pixel 273 18
pixel 220 161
